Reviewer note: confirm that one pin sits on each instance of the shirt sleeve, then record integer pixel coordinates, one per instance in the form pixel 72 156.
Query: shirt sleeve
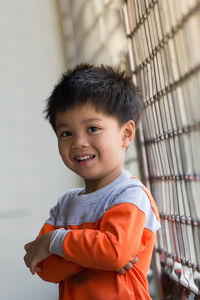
pixel 119 239
pixel 56 268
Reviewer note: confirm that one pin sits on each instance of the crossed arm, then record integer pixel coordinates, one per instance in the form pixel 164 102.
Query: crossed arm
pixel 39 259
pixel 120 234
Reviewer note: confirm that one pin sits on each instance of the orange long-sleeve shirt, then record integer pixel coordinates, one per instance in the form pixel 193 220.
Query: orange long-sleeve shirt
pixel 104 230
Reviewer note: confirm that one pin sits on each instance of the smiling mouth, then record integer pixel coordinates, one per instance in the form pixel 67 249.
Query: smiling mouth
pixel 84 158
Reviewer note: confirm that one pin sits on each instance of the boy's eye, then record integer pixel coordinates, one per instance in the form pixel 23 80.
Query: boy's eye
pixel 66 133
pixel 93 129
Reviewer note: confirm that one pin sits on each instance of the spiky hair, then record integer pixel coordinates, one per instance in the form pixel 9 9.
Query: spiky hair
pixel 110 90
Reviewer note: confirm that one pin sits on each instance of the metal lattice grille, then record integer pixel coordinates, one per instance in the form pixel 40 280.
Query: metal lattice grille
pixel 164 53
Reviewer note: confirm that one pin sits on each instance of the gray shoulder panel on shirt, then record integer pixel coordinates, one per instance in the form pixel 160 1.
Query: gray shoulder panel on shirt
pixel 75 209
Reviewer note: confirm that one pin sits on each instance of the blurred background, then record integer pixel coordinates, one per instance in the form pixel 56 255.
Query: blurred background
pixel 32 175
pixel 157 42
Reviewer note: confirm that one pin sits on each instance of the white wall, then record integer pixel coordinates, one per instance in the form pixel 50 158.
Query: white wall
pixel 32 175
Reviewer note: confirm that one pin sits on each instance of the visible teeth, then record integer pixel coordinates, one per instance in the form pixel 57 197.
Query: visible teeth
pixel 85 157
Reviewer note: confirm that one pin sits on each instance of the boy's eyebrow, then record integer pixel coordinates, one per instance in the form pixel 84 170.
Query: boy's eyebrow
pixel 91 120
pixel 63 125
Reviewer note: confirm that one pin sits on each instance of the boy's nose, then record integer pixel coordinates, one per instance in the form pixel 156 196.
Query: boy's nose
pixel 79 142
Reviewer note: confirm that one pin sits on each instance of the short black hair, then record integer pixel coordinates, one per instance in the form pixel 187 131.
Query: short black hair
pixel 110 90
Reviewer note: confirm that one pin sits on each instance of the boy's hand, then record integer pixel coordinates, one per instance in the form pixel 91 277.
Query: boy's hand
pixel 128 266
pixel 36 251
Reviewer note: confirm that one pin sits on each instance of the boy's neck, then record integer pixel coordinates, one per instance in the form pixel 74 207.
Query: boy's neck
pixel 94 185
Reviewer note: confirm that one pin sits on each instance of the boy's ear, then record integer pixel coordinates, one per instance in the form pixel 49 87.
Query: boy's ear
pixel 128 133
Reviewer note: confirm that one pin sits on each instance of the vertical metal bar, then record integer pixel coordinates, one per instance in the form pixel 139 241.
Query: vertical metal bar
pixel 167 69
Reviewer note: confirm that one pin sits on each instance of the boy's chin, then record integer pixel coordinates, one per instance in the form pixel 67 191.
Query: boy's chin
pixel 90 177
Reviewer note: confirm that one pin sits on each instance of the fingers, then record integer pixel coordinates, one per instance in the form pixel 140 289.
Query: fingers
pixel 27 260
pixel 31 263
pixel 135 260
pixel 128 266
pixel 121 271
pixel 35 269
pixel 38 269
pixel 27 246
pixel 36 251
pixel 33 266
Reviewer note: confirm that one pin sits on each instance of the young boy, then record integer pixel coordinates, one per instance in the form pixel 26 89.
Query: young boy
pixel 93 234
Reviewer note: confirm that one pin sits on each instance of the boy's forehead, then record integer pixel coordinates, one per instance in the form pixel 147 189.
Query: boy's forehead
pixel 87 109
pixel 88 106
pixel 81 112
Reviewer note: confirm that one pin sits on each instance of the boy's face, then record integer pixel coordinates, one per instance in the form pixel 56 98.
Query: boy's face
pixel 92 144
